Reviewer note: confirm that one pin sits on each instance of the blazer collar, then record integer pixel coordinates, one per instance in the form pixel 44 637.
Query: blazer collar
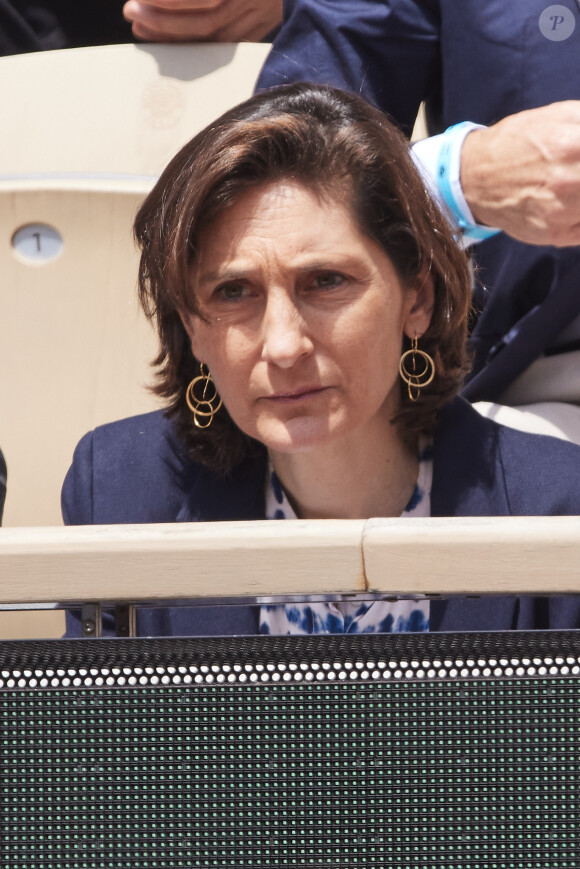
pixel 468 474
pixel 238 495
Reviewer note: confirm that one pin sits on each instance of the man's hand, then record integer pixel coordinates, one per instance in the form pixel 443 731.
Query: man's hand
pixel 523 174
pixel 210 20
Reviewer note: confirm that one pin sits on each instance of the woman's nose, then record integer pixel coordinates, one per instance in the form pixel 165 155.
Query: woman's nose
pixel 284 333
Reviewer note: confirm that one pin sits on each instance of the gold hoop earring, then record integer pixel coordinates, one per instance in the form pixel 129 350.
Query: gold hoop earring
pixel 417 370
pixel 203 408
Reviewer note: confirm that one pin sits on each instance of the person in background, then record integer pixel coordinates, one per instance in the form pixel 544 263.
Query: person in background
pixel 37 25
pixel 3 475
pixel 311 305
pixel 501 86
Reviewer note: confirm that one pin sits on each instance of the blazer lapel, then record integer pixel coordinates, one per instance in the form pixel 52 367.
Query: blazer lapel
pixel 215 498
pixel 468 476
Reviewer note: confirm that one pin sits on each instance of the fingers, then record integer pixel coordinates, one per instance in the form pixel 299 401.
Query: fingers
pixel 183 5
pixel 192 20
pixel 172 21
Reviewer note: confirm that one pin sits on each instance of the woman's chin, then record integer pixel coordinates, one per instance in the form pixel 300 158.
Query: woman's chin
pixel 296 436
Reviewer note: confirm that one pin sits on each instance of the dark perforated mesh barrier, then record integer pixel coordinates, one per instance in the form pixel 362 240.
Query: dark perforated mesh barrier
pixel 414 752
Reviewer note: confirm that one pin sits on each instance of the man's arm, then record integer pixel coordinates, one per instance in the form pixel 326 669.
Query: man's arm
pixel 523 174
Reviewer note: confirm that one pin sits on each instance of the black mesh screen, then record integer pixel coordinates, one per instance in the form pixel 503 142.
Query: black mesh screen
pixel 409 751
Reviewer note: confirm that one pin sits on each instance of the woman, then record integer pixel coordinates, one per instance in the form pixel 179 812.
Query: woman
pixel 311 306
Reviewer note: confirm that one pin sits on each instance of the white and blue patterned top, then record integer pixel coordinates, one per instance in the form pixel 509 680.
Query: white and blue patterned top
pixel 388 617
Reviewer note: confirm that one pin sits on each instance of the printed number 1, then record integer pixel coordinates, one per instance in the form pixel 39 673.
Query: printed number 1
pixel 36 235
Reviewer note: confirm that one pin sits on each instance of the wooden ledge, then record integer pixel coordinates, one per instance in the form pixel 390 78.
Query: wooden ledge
pixel 126 563
pixel 495 555
pixel 515 555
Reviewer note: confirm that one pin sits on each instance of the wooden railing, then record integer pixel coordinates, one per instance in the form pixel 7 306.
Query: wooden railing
pixel 122 563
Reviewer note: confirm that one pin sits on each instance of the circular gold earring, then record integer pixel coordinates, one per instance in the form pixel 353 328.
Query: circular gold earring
pixel 417 369
pixel 204 408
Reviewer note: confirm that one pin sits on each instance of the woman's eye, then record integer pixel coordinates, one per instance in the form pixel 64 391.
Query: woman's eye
pixel 329 280
pixel 232 292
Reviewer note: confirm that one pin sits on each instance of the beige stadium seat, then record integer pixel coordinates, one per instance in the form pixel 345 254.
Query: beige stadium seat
pixel 420 128
pixel 85 133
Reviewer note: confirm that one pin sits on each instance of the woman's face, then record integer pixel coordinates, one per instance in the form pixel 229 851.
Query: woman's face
pixel 303 319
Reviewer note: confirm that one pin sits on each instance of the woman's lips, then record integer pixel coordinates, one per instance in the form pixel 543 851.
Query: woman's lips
pixel 296 395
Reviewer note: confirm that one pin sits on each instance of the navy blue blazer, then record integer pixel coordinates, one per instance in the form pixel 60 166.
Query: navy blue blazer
pixel 136 471
pixel 469 61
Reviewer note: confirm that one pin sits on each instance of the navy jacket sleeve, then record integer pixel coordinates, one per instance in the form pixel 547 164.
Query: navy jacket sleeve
pixel 77 492
pixel 128 472
pixel 387 51
pixel 134 471
pixel 469 61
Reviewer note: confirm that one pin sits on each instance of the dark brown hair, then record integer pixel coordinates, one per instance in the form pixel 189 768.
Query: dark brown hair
pixel 336 144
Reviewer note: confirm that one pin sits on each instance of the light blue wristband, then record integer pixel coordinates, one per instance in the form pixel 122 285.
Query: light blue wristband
pixel 470 230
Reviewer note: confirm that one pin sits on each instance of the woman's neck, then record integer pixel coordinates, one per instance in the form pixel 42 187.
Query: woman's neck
pixel 354 478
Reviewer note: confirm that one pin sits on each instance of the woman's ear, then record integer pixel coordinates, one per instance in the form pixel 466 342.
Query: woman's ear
pixel 187 319
pixel 422 304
